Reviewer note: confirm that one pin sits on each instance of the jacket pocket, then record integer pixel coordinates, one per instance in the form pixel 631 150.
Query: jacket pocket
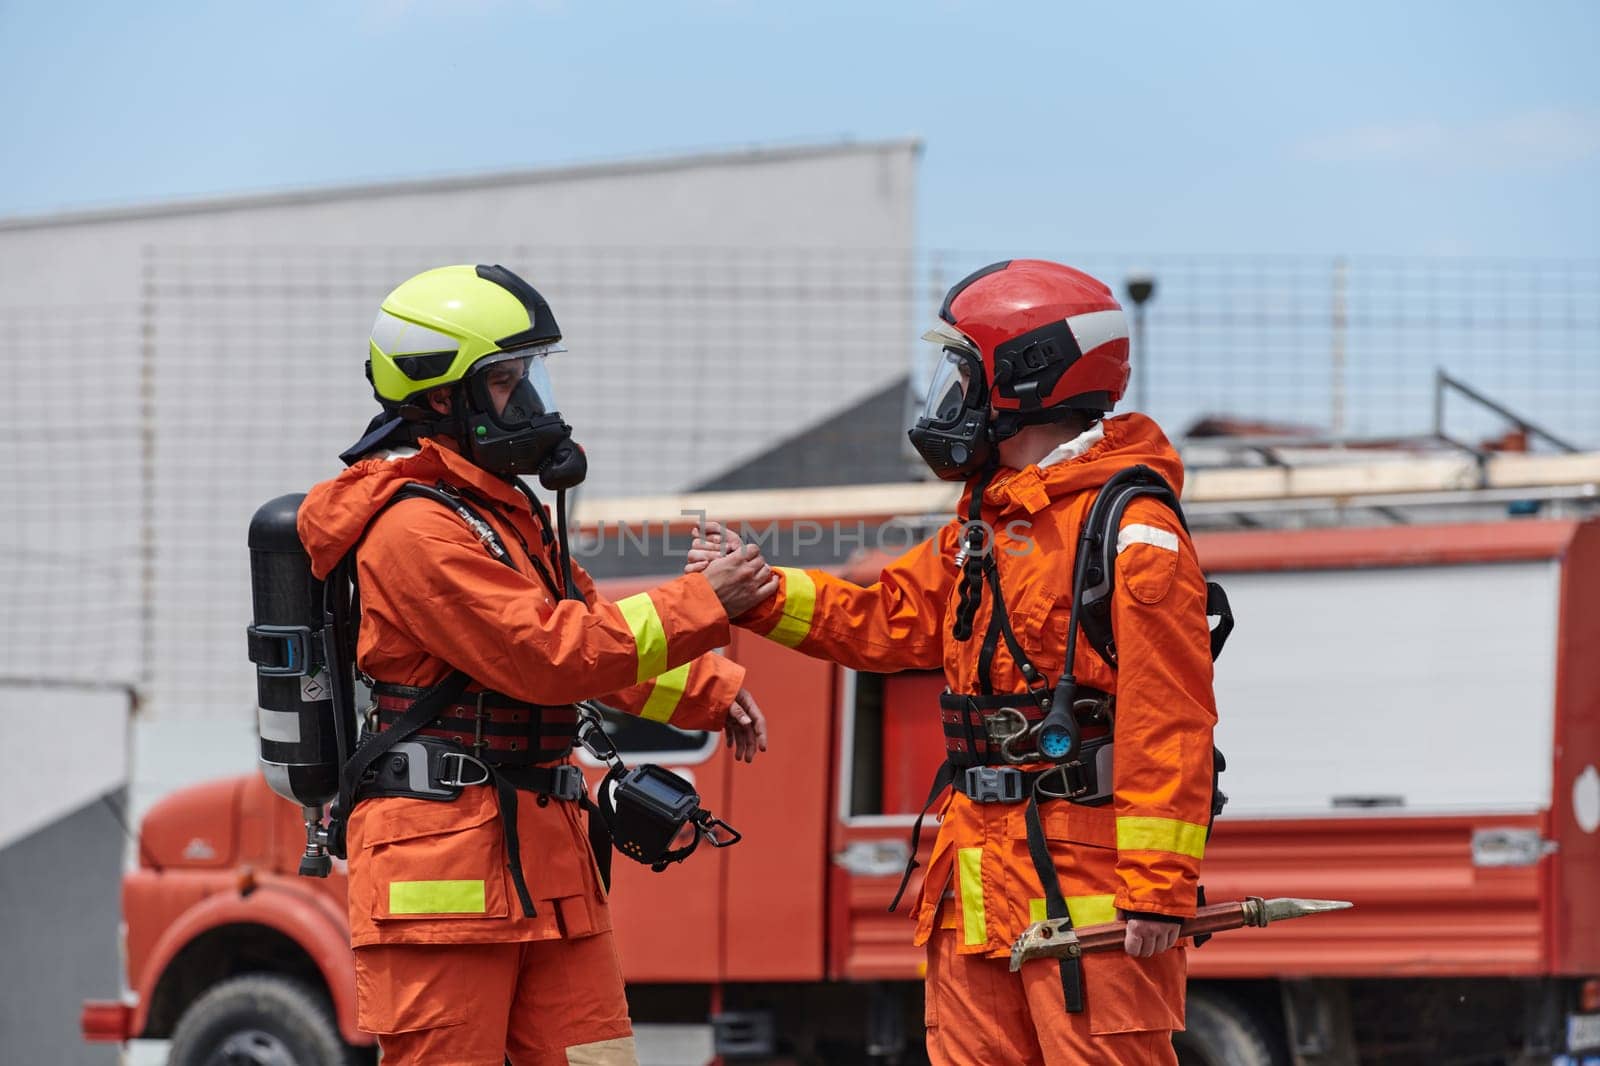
pixel 427 860
pixel 1041 619
pixel 1146 568
pixel 394 994
pixel 1122 994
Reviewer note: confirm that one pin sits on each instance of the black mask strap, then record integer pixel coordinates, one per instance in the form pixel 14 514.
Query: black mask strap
pixel 558 537
pixel 569 588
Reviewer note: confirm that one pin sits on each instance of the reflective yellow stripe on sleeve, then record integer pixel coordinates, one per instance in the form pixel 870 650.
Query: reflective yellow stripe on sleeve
pixel 666 694
pixel 1161 834
pixel 649 635
pixel 1083 910
pixel 970 864
pixel 799 603
pixel 436 897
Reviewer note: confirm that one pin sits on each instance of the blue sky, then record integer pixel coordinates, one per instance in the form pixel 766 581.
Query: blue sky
pixel 1424 128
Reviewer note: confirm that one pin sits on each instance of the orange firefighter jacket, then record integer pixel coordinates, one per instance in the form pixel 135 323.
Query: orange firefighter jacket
pixel 434 600
pixel 1142 851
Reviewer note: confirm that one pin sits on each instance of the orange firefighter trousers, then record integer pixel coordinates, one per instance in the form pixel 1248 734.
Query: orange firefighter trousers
pixel 979 1013
pixel 537 1002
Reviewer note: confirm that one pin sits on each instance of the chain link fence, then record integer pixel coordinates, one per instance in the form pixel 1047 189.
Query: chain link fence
pixel 1350 346
pixel 144 434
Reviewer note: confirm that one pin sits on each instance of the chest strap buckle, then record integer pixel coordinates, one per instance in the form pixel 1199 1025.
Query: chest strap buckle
pixel 566 783
pixel 993 784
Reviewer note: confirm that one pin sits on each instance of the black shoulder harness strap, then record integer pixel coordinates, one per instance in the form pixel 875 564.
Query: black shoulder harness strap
pixel 1095 565
pixel 340 620
pixel 341 617
pixel 1094 579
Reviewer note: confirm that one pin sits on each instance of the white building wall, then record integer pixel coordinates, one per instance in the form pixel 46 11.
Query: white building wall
pixel 178 365
pixel 846 197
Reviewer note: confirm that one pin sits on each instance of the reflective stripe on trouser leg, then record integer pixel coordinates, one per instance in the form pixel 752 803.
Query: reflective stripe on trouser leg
pixel 618 1051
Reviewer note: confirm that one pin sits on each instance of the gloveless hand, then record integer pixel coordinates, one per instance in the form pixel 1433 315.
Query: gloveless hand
pixel 1150 936
pixel 711 542
pixel 741 579
pixel 746 730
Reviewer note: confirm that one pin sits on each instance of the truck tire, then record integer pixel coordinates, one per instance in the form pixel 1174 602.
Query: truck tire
pixel 1223 1032
pixel 259 1020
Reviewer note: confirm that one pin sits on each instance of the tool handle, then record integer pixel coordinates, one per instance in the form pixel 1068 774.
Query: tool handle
pixel 1215 918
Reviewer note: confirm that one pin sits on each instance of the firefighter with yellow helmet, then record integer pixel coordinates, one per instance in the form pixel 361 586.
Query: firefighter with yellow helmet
pixel 480 924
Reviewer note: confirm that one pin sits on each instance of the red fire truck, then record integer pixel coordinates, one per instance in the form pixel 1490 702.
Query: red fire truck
pixel 1411 715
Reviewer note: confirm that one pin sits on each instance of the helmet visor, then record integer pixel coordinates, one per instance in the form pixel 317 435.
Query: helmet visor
pixel 947 394
pixel 513 388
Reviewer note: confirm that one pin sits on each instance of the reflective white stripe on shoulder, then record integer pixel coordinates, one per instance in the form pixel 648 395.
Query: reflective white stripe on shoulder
pixel 1128 536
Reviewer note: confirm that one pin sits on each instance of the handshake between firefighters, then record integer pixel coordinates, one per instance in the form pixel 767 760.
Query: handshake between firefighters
pixel 1062 601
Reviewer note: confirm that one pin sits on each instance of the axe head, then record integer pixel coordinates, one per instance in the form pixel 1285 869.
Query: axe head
pixel 1049 939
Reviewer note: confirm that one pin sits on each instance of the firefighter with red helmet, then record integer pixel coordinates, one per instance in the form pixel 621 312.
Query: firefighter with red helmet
pixel 1111 822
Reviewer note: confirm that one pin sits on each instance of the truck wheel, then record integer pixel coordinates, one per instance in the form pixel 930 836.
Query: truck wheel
pixel 258 1020
pixel 1223 1032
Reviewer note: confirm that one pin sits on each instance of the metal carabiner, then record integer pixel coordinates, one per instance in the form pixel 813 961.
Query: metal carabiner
pixel 1094 708
pixel 1006 740
pixel 592 735
pixel 709 830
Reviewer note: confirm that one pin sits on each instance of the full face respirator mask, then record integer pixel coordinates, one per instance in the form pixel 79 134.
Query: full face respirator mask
pixel 953 434
pixel 527 435
pixel 958 434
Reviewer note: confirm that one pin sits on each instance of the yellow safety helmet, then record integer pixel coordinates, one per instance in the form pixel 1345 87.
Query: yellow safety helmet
pixel 442 325
pixel 445 328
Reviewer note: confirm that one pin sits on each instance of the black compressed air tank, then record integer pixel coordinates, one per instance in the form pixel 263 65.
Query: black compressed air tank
pixel 295 713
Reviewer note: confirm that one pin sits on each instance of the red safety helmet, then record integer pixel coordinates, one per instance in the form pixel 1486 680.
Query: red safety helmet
pixel 1030 339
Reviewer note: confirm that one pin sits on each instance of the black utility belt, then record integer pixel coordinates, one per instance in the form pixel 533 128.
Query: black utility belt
pixel 997 730
pixel 434 768
pixel 1087 780
pixel 1019 700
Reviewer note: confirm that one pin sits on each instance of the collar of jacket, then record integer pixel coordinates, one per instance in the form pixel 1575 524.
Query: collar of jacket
pixel 1124 441
pixel 1076 446
pixel 441 455
pixel 337 512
